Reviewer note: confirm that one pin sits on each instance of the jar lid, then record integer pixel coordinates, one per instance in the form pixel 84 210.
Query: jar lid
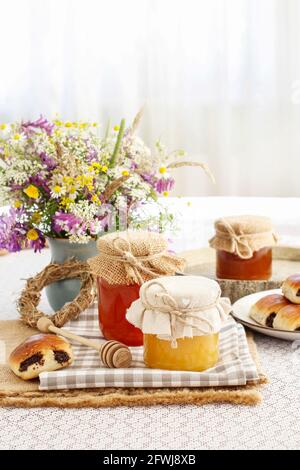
pixel 133 257
pixel 175 307
pixel 243 235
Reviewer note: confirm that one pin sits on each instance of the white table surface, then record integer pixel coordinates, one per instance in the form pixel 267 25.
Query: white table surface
pixel 274 424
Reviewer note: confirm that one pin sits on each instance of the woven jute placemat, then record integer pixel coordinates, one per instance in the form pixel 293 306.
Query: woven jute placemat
pixel 18 393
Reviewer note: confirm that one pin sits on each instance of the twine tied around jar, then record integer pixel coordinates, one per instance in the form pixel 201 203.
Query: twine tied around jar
pixel 242 242
pixel 134 257
pixel 135 262
pixel 177 312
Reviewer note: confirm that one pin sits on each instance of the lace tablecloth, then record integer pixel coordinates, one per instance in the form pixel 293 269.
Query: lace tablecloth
pixel 275 424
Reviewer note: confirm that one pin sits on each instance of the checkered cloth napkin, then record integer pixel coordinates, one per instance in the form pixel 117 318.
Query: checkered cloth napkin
pixel 235 366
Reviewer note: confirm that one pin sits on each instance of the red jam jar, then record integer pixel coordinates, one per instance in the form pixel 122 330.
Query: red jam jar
pixel 244 247
pixel 125 261
pixel 114 300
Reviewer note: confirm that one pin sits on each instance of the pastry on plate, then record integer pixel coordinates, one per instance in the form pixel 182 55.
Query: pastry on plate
pixel 264 311
pixel 38 353
pixel 291 288
pixel 288 318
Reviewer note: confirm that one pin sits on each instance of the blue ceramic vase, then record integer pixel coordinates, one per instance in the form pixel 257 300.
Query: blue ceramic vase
pixel 61 292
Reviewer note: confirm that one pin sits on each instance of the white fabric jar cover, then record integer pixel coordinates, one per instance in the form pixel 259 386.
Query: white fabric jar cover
pixel 173 307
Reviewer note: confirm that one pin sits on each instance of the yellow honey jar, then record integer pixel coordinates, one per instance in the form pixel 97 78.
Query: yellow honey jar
pixel 180 317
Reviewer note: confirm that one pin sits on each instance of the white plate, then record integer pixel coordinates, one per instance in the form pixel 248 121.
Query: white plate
pixel 241 309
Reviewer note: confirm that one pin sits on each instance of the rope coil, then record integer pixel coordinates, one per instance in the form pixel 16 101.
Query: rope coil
pixel 31 294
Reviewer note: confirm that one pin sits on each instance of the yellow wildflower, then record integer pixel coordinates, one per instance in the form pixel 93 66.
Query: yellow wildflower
pixel 6 151
pixel 116 128
pixel 96 199
pixel 96 165
pixel 57 189
pixel 104 169
pixel 57 122
pixel 166 193
pixel 72 190
pixel 68 179
pixel 95 124
pixel 36 217
pixel 68 124
pixel 162 170
pixel 87 181
pixel 125 173
pixel 17 204
pixel 32 191
pixel 17 136
pixel 3 127
pixel 66 201
pixel 83 125
pixel 32 234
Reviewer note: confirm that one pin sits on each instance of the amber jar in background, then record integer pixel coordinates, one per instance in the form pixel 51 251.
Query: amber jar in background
pixel 181 317
pixel 244 247
pixel 114 300
pixel 231 266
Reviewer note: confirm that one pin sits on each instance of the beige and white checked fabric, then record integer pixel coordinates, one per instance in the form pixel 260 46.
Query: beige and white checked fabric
pixel 235 366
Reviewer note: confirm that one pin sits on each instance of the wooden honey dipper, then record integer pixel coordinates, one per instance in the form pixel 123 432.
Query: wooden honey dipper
pixel 112 353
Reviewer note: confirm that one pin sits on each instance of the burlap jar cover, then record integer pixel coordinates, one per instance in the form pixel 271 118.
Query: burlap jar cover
pixel 178 307
pixel 133 257
pixel 243 235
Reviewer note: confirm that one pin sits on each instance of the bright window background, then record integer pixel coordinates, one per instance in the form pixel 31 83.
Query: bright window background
pixel 220 78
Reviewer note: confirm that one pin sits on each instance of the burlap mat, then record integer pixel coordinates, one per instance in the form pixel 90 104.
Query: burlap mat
pixel 18 393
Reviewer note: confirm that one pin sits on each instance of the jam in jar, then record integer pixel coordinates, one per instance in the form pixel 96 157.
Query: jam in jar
pixel 113 303
pixel 243 247
pixel 125 260
pixel 196 354
pixel 181 317
pixel 231 266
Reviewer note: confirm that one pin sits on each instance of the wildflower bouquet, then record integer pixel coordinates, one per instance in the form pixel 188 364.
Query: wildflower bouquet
pixel 61 179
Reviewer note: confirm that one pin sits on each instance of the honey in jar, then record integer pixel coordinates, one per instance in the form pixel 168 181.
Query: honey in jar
pixel 180 318
pixel 196 354
pixel 244 247
pixel 125 261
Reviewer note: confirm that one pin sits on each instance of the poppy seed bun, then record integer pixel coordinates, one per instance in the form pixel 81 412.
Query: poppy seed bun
pixel 288 318
pixel 265 309
pixel 38 353
pixel 291 288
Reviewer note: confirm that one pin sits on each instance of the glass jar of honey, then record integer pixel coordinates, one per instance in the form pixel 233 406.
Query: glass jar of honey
pixel 125 261
pixel 180 318
pixel 244 247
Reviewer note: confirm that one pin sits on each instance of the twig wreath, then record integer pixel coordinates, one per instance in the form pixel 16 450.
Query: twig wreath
pixel 31 294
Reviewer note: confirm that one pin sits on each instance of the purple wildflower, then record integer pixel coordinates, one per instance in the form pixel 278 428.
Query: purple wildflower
pixel 16 187
pixel 38 180
pixel 149 178
pixel 164 184
pixel 65 222
pixel 39 243
pixel 12 230
pixel 91 155
pixel 41 123
pixel 133 165
pixel 48 161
